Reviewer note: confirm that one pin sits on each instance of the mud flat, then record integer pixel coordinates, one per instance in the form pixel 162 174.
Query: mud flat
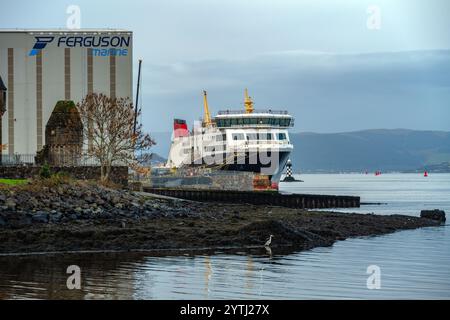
pixel 85 217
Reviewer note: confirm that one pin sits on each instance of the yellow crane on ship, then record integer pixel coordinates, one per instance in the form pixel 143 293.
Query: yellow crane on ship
pixel 248 102
pixel 207 121
pixel 207 117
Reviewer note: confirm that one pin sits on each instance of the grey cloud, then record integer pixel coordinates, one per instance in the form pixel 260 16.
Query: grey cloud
pixel 390 85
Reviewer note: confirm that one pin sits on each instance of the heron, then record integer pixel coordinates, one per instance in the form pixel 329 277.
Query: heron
pixel 269 242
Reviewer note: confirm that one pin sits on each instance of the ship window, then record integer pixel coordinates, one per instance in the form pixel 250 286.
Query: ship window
pixel 265 136
pixel 238 136
pixel 222 123
pixel 252 136
pixel 221 137
pixel 246 120
pixel 282 136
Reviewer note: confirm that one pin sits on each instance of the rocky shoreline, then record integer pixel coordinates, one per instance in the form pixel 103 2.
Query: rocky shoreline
pixel 82 216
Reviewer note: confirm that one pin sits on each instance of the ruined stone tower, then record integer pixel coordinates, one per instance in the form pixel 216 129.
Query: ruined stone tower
pixel 63 136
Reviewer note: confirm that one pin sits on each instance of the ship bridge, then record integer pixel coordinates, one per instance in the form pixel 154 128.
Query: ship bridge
pixel 256 119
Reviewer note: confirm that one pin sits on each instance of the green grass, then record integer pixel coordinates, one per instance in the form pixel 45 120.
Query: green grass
pixel 13 182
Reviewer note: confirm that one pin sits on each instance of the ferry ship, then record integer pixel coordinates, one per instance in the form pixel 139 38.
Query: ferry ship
pixel 236 140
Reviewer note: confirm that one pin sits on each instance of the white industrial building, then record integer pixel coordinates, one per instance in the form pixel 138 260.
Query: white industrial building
pixel 41 67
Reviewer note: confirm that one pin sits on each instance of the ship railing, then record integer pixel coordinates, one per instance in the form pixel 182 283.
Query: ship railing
pixel 256 144
pixel 262 126
pixel 241 112
pixel 269 142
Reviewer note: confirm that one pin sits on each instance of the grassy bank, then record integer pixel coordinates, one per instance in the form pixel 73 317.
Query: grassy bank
pixel 13 182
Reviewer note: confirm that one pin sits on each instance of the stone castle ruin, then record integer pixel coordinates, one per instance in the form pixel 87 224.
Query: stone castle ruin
pixel 63 137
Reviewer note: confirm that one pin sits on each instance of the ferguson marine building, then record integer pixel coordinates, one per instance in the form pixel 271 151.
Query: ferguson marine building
pixel 41 67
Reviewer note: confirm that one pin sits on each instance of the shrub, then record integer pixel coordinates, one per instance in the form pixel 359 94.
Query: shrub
pixel 59 178
pixel 45 172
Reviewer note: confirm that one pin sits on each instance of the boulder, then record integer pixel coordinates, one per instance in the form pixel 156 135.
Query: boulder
pixel 438 215
pixel 40 217
pixel 20 221
pixel 56 217
pixel 10 203
pixel 2 222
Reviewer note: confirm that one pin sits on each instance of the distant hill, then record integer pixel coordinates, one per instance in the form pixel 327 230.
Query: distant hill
pixel 443 167
pixel 385 150
pixel 151 159
pixel 162 146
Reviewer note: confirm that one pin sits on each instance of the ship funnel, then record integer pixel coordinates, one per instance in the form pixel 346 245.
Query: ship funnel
pixel 180 128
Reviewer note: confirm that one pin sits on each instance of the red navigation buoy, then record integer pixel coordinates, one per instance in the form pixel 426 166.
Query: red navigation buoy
pixel 425 174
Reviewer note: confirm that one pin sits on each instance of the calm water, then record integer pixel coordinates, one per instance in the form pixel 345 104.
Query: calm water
pixel 414 264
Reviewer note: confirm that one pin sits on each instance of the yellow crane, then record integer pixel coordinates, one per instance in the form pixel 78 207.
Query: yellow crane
pixel 207 117
pixel 248 103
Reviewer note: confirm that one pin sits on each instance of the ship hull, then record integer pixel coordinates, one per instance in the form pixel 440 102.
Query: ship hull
pixel 270 164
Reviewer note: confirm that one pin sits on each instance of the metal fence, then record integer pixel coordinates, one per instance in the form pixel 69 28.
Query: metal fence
pixel 17 159
pixel 30 160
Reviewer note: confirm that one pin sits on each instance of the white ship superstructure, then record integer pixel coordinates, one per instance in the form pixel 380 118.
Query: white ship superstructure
pixel 248 140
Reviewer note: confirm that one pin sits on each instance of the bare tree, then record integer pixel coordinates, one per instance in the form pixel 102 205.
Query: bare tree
pixel 108 130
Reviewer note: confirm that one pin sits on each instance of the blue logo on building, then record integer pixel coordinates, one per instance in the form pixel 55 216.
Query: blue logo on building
pixel 103 46
pixel 41 43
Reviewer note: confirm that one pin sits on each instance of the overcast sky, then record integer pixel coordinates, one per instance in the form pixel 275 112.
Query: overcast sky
pixel 315 58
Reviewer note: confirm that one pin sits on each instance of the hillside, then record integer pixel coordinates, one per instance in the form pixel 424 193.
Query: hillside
pixel 385 150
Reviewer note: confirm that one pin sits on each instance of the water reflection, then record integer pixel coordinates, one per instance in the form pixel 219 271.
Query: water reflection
pixel 414 264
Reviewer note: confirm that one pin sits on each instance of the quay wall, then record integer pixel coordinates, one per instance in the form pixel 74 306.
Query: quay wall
pixel 299 201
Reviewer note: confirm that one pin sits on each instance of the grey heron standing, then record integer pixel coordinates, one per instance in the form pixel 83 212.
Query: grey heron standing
pixel 269 242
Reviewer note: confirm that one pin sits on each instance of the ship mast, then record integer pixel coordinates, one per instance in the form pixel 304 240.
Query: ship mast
pixel 248 103
pixel 136 107
pixel 207 117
